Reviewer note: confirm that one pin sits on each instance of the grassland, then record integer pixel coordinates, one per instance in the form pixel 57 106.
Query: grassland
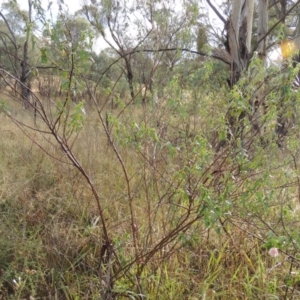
pixel 182 221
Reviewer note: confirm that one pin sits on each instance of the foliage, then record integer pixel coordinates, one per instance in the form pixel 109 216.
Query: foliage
pixel 164 185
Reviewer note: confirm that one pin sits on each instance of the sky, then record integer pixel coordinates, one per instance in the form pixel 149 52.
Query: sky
pixel 72 5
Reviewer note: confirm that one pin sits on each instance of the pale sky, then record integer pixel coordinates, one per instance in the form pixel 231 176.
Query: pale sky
pixel 72 5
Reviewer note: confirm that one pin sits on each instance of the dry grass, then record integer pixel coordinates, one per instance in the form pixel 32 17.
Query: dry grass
pixel 51 235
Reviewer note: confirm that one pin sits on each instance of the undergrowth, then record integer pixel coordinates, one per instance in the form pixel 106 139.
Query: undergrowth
pixel 186 215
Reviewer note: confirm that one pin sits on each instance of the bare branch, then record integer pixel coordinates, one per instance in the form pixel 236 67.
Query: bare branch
pixel 216 11
pixel 10 30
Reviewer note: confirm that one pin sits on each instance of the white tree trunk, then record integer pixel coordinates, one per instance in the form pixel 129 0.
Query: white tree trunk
pixel 262 29
pixel 233 40
pixel 247 14
pixel 239 36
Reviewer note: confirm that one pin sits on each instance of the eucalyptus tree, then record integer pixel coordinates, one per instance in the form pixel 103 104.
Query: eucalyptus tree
pixel 67 47
pixel 18 41
pixel 238 34
pixel 143 26
pixel 251 29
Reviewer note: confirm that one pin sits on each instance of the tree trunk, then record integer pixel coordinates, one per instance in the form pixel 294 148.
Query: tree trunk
pixel 129 76
pixel 25 68
pixel 239 47
pixel 262 29
pixel 24 78
pixel 239 37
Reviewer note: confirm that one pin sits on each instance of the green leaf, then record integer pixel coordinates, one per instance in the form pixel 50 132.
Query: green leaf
pixel 83 54
pixel 44 58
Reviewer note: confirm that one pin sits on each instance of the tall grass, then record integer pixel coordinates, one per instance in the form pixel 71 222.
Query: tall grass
pixel 184 221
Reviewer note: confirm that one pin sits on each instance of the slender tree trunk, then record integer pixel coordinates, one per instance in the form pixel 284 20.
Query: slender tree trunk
pixel 129 76
pixel 262 29
pixel 24 78
pixel 233 41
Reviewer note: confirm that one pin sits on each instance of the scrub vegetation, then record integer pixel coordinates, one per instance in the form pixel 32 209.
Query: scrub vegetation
pixel 146 171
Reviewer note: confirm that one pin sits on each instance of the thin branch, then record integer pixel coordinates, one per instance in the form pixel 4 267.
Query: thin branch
pixel 184 50
pixel 10 30
pixel 216 11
